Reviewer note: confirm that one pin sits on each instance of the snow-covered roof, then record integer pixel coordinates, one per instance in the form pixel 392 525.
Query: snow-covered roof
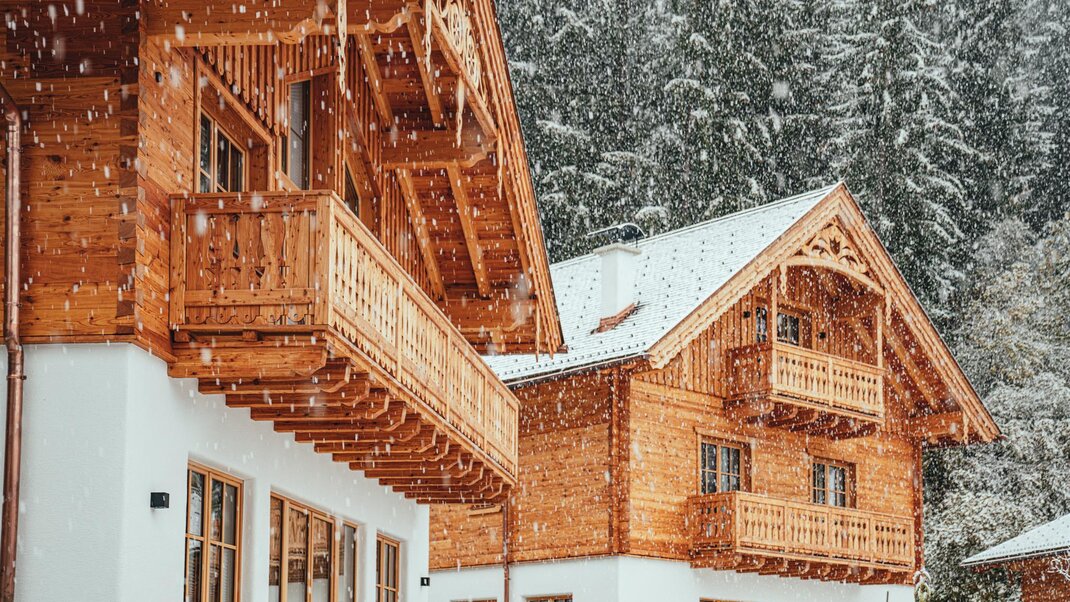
pixel 1047 539
pixel 677 271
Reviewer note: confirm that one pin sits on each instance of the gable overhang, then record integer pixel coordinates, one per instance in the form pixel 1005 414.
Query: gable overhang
pixel 975 422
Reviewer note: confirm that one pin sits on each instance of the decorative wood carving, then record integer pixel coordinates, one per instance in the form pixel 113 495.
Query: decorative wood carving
pixel 459 28
pixel 832 244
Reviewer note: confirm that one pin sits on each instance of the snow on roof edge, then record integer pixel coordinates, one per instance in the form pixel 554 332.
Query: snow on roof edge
pixel 1046 539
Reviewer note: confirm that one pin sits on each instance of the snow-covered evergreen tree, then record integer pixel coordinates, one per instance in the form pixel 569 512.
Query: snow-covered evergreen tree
pixel 897 139
pixel 1013 346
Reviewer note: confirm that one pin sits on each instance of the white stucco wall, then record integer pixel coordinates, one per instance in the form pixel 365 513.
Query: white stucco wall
pixel 628 579
pixel 104 426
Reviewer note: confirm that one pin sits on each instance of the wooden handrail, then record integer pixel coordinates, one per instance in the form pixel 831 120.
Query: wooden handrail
pixel 792 371
pixel 740 521
pixel 249 261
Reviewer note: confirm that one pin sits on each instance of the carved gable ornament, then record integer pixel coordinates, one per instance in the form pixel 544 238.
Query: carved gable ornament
pixel 832 248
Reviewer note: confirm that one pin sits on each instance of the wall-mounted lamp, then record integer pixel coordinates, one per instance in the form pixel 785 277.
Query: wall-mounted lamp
pixel 425 582
pixel 159 499
pixel 746 314
pixel 822 335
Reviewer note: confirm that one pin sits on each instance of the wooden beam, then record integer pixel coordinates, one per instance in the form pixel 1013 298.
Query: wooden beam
pixel 216 23
pixel 433 149
pixel 427 73
pixel 423 235
pixel 471 235
pixel 375 80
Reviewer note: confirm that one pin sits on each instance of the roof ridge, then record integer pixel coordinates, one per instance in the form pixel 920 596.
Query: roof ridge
pixel 771 205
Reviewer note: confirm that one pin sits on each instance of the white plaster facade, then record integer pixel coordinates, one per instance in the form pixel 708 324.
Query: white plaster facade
pixel 631 579
pixel 104 426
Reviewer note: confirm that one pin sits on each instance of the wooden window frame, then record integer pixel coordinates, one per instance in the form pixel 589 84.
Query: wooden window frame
pixel 213 98
pixel 218 129
pixel 549 598
pixel 336 536
pixel 381 588
pixel 744 462
pixel 205 538
pixel 849 484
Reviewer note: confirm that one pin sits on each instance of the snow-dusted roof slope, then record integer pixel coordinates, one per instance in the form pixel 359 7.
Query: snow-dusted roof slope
pixel 677 271
pixel 1049 538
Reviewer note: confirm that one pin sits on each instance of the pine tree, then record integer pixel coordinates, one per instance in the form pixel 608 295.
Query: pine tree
pixel 897 142
pixel 1013 348
pixel 1051 196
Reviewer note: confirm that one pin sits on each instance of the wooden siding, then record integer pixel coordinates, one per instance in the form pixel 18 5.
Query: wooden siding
pixel 561 508
pixel 1041 584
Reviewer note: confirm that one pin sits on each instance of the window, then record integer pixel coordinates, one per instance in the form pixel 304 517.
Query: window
pixel 295 153
pixel 352 197
pixel 721 467
pixel 832 483
pixel 787 328
pixel 761 324
pixel 558 598
pixel 213 536
pixel 221 167
pixel 347 569
pixel 303 561
pixel 386 569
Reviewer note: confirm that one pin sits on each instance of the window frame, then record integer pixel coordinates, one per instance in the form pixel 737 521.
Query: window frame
pixel 284 139
pixel 337 526
pixel 217 131
pixel 849 482
pixel 549 598
pixel 205 539
pixel 384 541
pixel 720 443
pixel 789 317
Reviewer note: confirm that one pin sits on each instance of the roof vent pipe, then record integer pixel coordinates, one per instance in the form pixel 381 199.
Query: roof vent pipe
pixel 618 272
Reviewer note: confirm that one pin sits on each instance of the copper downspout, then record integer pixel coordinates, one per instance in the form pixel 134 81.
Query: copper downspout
pixel 12 283
pixel 505 547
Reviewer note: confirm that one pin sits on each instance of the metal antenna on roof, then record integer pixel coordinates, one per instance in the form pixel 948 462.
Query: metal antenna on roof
pixel 626 232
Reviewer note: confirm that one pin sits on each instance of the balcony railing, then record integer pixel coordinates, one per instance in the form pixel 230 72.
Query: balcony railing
pixel 739 523
pixel 788 371
pixel 297 262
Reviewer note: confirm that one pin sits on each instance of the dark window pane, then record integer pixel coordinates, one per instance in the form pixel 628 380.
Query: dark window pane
pixel 322 547
pixel 819 496
pixel 732 483
pixel 275 551
pixel 227 577
pixel 298 135
pixel 206 144
pixel 347 584
pixel 222 176
pixel 216 521
pixel 819 476
pixel 193 570
pixel 761 324
pixel 709 481
pixel 215 583
pixel 230 514
pixel 237 162
pixel 297 571
pixel 196 503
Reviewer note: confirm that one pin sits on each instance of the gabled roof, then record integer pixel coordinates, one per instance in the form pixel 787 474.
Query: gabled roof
pixel 1045 540
pixel 688 277
pixel 678 271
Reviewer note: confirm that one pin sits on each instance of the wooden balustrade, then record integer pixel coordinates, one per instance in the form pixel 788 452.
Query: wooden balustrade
pixel 739 523
pixel 289 262
pixel 788 371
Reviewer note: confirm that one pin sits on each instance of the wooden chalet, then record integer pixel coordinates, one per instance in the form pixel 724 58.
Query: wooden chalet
pixel 754 397
pixel 321 210
pixel 1039 558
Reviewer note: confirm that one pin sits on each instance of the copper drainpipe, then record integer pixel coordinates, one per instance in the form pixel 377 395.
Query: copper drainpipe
pixel 505 548
pixel 15 376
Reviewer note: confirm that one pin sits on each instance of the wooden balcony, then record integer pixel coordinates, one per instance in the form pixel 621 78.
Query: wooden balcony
pixel 753 533
pixel 287 304
pixel 782 385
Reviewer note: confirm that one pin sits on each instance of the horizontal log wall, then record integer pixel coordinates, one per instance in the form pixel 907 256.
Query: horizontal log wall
pixel 561 508
pixel 666 426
